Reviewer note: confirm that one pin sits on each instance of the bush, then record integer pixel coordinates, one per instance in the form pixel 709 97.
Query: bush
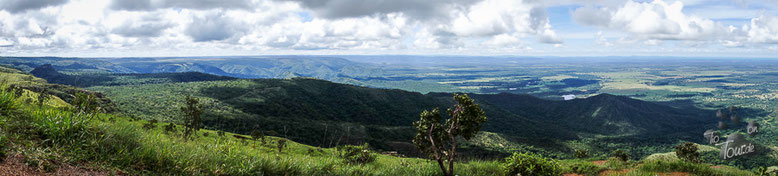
pixel 530 164
pixel 581 167
pixel 356 154
pixel 676 166
pixel 281 144
pixel 581 154
pixel 7 102
pixel 170 128
pixel 621 155
pixel 61 126
pixel 151 124
pixel 3 147
pixel 687 152
pixel 616 163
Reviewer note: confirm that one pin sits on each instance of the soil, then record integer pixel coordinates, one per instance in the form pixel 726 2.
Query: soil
pixel 614 172
pixel 600 162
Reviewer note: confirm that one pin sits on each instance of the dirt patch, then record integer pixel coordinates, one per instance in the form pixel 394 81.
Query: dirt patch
pixel 14 166
pixel 715 167
pixel 600 162
pixel 674 174
pixel 614 172
pixel 572 174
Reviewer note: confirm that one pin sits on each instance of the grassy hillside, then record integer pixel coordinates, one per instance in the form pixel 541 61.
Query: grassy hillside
pixel 50 139
pixel 323 113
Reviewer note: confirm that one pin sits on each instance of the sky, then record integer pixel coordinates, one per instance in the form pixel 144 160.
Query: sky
pixel 149 28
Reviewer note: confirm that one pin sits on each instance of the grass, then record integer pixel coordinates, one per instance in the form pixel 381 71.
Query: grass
pixel 46 136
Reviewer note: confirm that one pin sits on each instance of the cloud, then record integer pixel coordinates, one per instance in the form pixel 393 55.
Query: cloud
pixel 420 9
pixel 654 20
pixel 764 29
pixel 213 27
pixel 146 5
pixel 16 6
pixel 496 17
pixel 592 16
pixel 147 26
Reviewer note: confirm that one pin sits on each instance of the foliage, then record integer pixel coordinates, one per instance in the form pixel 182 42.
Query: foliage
pixel 580 167
pixel 151 124
pixel 676 166
pixel 170 128
pixel 621 155
pixel 43 96
pixel 3 146
pixel 581 153
pixel 439 140
pixel 688 152
pixel 258 135
pixel 281 144
pixel 8 102
pixel 359 154
pixel 192 112
pixel 764 171
pixel 84 102
pixel 614 163
pixel 530 164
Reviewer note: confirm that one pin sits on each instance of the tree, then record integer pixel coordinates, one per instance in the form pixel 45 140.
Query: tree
pixel 281 145
pixel 256 134
pixel 43 96
pixel 687 152
pixel 439 140
pixel 192 120
pixel 86 103
pixel 621 155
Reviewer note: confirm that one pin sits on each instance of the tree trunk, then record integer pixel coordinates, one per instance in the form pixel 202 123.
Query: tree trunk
pixel 436 153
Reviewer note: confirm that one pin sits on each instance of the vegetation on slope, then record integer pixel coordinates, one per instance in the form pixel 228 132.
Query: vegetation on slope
pixel 49 138
pixel 323 113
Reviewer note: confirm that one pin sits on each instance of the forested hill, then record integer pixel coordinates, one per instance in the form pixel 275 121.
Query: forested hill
pixel 323 113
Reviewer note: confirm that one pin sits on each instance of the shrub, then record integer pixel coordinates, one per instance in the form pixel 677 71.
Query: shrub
pixel 581 153
pixel 676 166
pixel 61 126
pixel 530 164
pixel 356 154
pixel 43 96
pixel 3 147
pixel 257 135
pixel 281 144
pixel 85 102
pixel 687 152
pixel 151 124
pixel 616 163
pixel 7 102
pixel 621 154
pixel 170 128
pixel 581 167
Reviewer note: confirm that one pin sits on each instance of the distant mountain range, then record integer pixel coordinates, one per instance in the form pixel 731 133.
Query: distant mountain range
pixel 328 68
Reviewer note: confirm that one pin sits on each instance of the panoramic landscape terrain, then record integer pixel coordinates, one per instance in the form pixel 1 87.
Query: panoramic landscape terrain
pixel 395 88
